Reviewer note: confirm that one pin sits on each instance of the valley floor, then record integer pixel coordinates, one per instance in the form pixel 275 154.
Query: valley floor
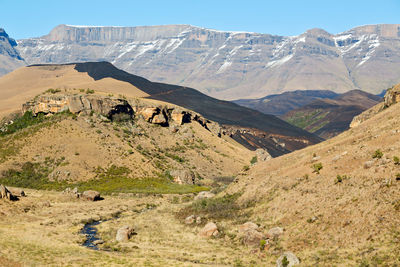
pixel 43 229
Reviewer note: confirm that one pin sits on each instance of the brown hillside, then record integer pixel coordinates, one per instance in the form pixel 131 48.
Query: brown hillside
pixel 25 83
pixel 332 220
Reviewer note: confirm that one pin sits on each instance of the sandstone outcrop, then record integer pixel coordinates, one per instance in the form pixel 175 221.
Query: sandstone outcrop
pixel 392 96
pixel 116 109
pixel 106 106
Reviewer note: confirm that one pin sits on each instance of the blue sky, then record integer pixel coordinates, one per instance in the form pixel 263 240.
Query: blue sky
pixel 23 19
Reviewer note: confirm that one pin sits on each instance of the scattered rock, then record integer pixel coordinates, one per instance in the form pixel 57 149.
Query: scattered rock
pixel 287 259
pixel 209 230
pixel 98 242
pixel 248 226
pixel 91 195
pixel 124 233
pixel 173 128
pixel 159 119
pixel 204 195
pixel 183 176
pixel 275 232
pixel 5 193
pixel 249 234
pixel 198 220
pixel 368 164
pixel 190 219
pixel 315 159
pixel 263 155
pixel 17 192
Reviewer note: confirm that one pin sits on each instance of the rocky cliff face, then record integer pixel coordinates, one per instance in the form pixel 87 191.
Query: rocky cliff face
pixel 115 109
pixel 9 57
pixel 232 65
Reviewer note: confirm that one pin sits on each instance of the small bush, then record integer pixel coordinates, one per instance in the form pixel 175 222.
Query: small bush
pixel 377 154
pixel 263 243
pixel 214 208
pixel 285 262
pixel 317 167
pixel 397 176
pixel 89 91
pixel 246 168
pixel 253 160
pixel 53 91
pixel 396 160
pixel 339 179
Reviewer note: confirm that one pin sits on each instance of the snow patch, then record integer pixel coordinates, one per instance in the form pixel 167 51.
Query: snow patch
pixel 276 63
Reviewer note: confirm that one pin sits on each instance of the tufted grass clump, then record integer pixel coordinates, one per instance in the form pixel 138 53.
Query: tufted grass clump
pixel 317 167
pixel 377 154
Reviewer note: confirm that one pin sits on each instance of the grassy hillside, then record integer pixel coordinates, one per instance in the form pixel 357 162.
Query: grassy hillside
pixel 337 201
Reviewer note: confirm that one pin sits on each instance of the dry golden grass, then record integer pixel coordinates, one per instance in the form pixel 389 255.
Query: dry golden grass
pixel 42 229
pixel 356 219
pixel 25 83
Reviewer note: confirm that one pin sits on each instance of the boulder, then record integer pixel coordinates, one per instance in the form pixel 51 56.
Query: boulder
pixel 287 259
pixel 275 232
pixel 179 116
pixel 159 119
pixel 252 237
pixel 124 233
pixel 368 164
pixel 5 193
pixel 263 155
pixel 190 219
pixel 204 195
pixel 249 234
pixel 209 230
pixel 149 113
pixel 183 176
pixel 91 195
pixel 247 227
pixel 17 192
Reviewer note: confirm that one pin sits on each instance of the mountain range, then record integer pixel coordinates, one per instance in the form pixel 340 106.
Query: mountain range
pixel 231 65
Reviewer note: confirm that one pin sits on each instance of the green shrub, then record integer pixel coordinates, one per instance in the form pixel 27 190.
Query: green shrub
pixel 89 91
pixel 253 160
pixel 339 179
pixel 22 122
pixel 285 262
pixel 53 91
pixel 377 154
pixel 246 168
pixel 214 208
pixel 396 160
pixel 263 243
pixel 317 167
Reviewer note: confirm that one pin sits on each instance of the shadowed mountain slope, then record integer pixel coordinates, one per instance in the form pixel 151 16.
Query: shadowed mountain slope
pixel 329 117
pixel 279 104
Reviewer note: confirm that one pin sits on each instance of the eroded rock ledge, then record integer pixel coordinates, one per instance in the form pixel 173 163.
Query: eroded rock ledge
pixel 117 109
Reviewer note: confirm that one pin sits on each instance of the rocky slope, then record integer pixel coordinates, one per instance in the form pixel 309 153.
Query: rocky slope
pixel 148 137
pixel 337 201
pixel 330 117
pixel 249 127
pixel 280 104
pixel 10 59
pixel 232 65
